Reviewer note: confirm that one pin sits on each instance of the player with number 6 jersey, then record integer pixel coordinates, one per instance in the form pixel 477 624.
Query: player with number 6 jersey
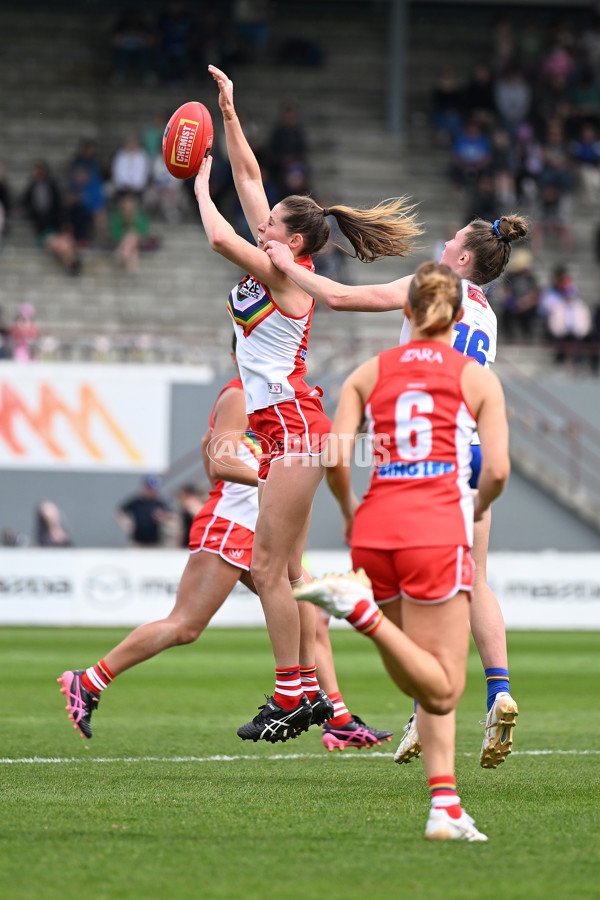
pixel 412 531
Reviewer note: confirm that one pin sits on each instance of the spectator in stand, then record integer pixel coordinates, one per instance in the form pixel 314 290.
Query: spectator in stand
pixel 520 295
pixel 130 170
pixel 585 152
pixel 142 515
pixel 24 334
pixel 529 165
pixel 88 197
pixel 132 43
pixel 530 46
pixel 555 184
pixel 5 205
pixel 513 98
pixel 50 526
pixel 287 145
pixel 165 193
pixel 252 30
pixel 471 155
pixel 504 46
pixel 483 199
pixel 177 38
pixel 153 131
pixel 129 230
pixel 44 206
pixel 589 47
pixel 504 167
pixel 478 97
pixel 583 103
pixel 568 318
pixel 5 338
pixel 447 107
pixel 294 180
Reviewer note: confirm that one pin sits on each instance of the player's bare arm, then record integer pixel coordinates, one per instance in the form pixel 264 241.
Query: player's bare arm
pixel 358 298
pixel 244 166
pixel 230 423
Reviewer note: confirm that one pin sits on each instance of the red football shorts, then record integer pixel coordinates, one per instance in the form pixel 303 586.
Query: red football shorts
pixel 230 541
pixel 420 574
pixel 292 428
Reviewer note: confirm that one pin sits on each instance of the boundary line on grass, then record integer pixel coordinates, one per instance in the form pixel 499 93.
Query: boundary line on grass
pixel 279 756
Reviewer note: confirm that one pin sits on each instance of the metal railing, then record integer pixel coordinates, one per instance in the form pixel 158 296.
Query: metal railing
pixel 551 444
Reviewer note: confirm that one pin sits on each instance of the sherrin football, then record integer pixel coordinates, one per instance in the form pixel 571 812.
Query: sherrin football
pixel 187 139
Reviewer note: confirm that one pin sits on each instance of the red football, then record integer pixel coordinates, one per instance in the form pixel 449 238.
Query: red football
pixel 187 139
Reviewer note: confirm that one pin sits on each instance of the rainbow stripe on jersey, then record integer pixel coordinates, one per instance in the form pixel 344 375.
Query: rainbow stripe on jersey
pixel 249 304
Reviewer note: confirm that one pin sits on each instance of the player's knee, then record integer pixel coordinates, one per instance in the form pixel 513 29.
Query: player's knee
pixel 187 632
pixel 440 704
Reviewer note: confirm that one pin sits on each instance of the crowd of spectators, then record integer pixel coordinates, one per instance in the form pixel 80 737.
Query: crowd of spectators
pixel 522 131
pixel 523 128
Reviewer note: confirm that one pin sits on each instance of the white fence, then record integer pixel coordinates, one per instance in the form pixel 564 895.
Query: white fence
pixel 559 591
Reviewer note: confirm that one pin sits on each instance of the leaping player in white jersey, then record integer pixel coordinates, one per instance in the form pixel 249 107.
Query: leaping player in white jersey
pixel 478 253
pixel 271 317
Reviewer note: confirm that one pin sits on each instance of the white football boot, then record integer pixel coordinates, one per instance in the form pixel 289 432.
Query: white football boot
pixel 499 724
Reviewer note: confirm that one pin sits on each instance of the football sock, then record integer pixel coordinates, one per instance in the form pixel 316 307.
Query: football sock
pixel 308 681
pixel 365 617
pixel 497 681
pixel 97 678
pixel 340 716
pixel 443 794
pixel 288 687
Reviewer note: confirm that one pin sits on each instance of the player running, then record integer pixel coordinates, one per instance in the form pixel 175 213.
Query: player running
pixel 413 530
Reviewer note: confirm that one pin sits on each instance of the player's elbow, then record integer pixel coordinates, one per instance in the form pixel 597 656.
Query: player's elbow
pixel 218 241
pixel 499 473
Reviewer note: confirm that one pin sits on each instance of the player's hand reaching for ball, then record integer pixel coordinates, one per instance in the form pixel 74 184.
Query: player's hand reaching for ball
pixel 202 178
pixel 281 256
pixel 225 90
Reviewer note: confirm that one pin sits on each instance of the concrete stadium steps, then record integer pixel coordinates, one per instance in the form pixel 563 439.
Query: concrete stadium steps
pixel 58 64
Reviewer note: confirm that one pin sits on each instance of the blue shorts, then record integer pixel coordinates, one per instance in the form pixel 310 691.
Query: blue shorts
pixel 475 465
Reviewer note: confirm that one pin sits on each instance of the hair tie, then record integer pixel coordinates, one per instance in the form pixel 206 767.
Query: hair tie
pixel 326 212
pixel 501 236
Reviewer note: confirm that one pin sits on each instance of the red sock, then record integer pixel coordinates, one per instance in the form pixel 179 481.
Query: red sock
pixel 365 617
pixel 308 680
pixel 288 687
pixel 97 677
pixel 443 795
pixel 340 716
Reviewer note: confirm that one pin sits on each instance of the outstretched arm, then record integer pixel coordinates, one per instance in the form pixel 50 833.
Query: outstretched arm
pixel 246 171
pixel 359 298
pixel 223 238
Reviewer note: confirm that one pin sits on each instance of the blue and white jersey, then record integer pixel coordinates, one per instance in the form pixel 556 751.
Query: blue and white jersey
pixel 476 335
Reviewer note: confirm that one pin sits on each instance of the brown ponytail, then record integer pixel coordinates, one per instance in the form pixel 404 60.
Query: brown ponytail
pixel 490 244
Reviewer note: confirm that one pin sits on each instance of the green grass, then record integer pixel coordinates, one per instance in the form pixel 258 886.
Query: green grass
pixel 291 821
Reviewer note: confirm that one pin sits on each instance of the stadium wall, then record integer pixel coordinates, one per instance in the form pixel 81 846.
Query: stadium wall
pixel 83 435
pixel 539 591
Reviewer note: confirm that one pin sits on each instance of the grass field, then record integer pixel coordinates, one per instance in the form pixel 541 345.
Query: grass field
pixel 166 801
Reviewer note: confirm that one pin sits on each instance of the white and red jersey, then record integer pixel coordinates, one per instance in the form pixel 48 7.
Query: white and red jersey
pixel 419 494
pixel 271 345
pixel 236 502
pixel 476 335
